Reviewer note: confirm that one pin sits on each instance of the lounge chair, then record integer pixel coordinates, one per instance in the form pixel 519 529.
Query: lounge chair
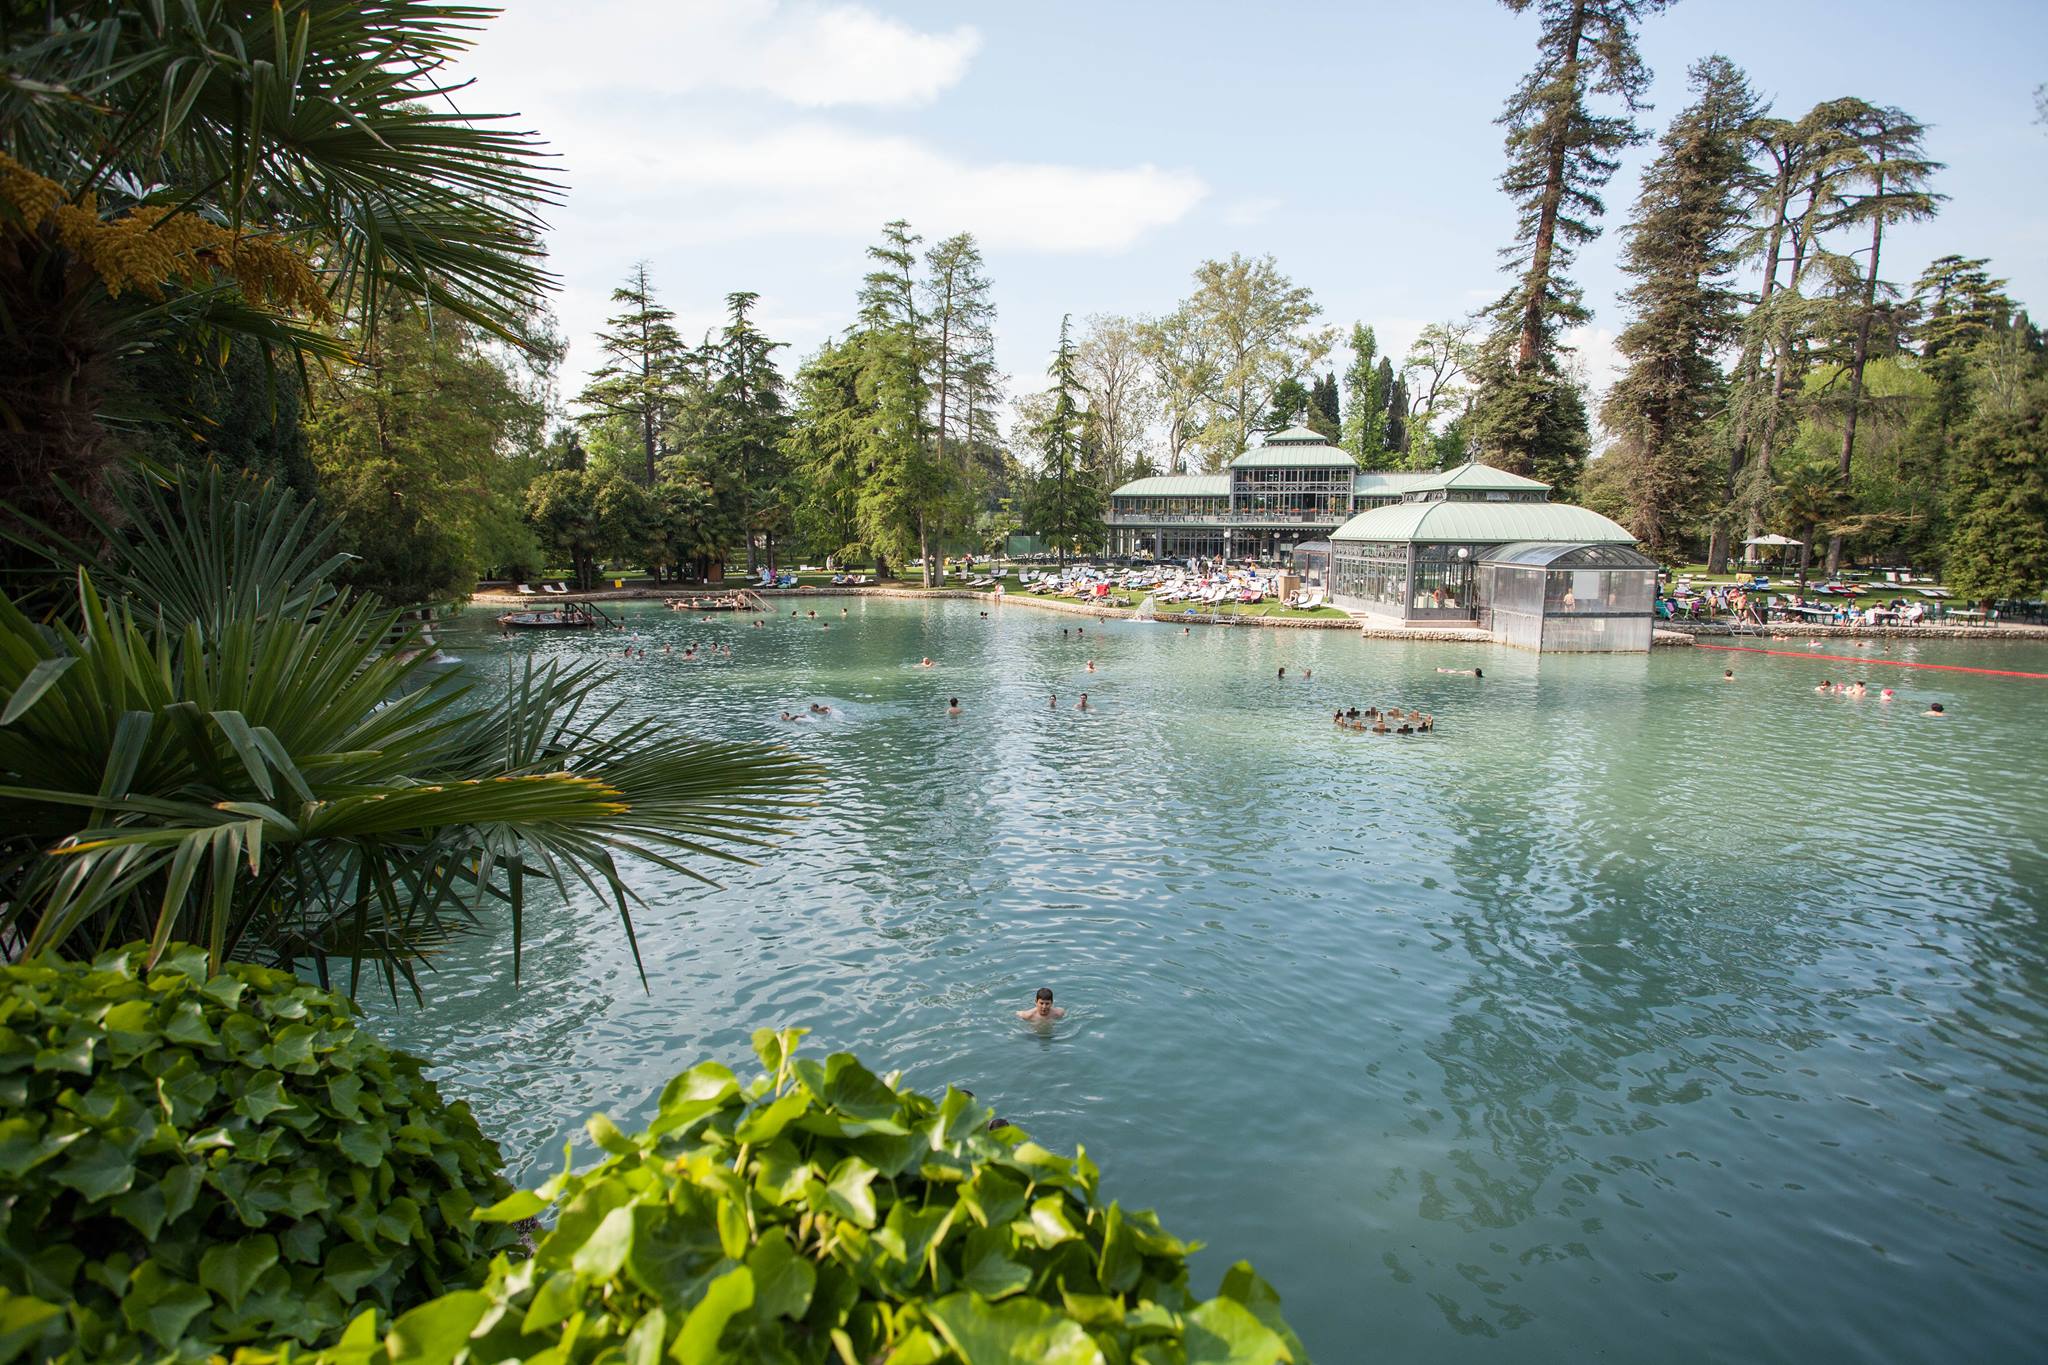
pixel 526 590
pixel 556 588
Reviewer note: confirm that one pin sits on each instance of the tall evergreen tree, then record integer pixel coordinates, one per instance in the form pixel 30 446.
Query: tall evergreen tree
pixel 1806 160
pixel 744 426
pixel 828 449
pixel 1396 423
pixel 1530 417
pixel 1068 508
pixel 901 484
pixel 1998 489
pixel 1361 415
pixel 1681 253
pixel 1324 416
pixel 959 319
pixel 1380 394
pixel 645 366
pixel 1889 174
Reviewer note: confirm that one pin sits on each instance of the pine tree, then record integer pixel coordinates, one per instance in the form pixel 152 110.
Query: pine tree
pixel 902 483
pixel 1360 437
pixel 744 426
pixel 1891 171
pixel 959 319
pixel 1807 159
pixel 1068 508
pixel 645 368
pixel 1530 417
pixel 1682 251
pixel 1998 534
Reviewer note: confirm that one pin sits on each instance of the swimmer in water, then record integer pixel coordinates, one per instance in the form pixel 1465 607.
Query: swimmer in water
pixel 1885 695
pixel 1727 675
pixel 1934 709
pixel 1307 673
pixel 1464 672
pixel 1282 675
pixel 924 663
pixel 1042 1009
pixel 1054 703
pixel 1825 686
pixel 1091 665
pixel 787 716
pixel 1082 705
pixel 953 707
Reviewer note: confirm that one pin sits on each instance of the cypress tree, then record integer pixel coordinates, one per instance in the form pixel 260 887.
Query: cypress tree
pixel 1530 417
pixel 1068 508
pixel 1323 415
pixel 1359 437
pixel 1681 253
pixel 1395 424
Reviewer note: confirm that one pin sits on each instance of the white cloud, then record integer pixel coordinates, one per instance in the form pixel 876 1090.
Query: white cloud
pixel 816 180
pixel 806 52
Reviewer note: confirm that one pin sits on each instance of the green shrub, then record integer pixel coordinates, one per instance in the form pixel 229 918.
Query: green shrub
pixel 190 1161
pixel 822 1214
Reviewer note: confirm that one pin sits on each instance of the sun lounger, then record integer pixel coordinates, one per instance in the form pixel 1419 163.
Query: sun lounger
pixel 526 590
pixel 557 588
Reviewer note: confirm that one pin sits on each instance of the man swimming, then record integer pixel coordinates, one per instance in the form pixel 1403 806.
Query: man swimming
pixel 953 707
pixel 1042 1008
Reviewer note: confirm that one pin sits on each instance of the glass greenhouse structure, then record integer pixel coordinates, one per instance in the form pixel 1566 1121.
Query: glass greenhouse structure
pixel 1580 598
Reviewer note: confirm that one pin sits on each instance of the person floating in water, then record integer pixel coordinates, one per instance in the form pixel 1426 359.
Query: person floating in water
pixel 1463 672
pixel 924 662
pixel 1042 1007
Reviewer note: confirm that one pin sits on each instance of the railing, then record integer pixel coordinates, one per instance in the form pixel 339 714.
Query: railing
pixel 1278 517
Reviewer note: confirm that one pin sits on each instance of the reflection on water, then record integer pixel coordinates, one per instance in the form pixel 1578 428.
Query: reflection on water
pixel 1628 1007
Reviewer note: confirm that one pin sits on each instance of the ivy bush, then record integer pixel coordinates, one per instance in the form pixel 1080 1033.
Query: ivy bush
pixel 823 1214
pixel 192 1160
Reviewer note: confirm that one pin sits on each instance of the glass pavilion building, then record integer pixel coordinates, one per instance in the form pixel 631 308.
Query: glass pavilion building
pixel 1481 547
pixel 1472 546
pixel 1296 487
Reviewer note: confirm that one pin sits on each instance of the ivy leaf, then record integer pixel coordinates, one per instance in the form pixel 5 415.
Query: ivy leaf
pixel 730 1293
pixel 1021 1329
pixel 643 1343
pixel 993 1196
pixel 765 1125
pixel 1120 1263
pixel 96 1169
pixel 520 1204
pixel 783 1280
pixel 162 1305
pixel 848 1194
pixel 232 1271
pixel 436 1331
pixel 22 1321
pixel 606 1251
pixel 24 1145
pixel 1243 1284
pixel 1224 1332
pixel 986 1266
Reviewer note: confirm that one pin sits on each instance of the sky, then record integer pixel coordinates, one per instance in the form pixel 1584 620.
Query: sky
pixel 1099 152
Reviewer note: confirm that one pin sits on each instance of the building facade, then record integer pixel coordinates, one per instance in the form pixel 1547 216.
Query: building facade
pixel 1482 547
pixel 1295 487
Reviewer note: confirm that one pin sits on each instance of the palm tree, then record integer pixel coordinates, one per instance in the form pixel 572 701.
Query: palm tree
pixel 173 176
pixel 221 747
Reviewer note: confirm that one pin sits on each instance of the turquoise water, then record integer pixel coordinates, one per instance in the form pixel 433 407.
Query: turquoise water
pixel 1631 1014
